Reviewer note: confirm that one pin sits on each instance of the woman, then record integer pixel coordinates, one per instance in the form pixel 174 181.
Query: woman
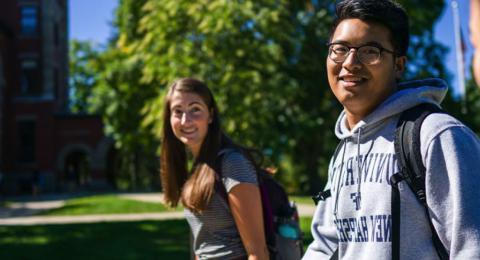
pixel 224 228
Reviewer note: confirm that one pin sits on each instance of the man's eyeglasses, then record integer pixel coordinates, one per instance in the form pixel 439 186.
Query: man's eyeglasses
pixel 366 54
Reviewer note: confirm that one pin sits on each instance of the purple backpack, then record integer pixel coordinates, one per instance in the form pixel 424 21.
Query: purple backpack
pixel 280 217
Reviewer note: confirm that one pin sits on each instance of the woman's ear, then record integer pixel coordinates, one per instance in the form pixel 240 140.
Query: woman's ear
pixel 210 117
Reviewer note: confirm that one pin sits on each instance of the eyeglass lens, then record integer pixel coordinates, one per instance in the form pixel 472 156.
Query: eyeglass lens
pixel 366 54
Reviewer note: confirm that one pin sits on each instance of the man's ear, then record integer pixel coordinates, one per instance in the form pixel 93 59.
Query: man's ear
pixel 400 63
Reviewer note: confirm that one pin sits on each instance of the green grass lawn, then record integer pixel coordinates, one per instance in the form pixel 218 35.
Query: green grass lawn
pixel 307 200
pixel 105 204
pixel 112 204
pixel 305 223
pixel 114 240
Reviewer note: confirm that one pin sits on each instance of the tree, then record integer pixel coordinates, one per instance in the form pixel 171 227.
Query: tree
pixel 119 96
pixel 82 79
pixel 265 62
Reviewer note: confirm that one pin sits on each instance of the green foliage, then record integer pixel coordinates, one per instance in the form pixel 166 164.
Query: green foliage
pixel 263 59
pixel 83 56
pixel 472 105
pixel 425 55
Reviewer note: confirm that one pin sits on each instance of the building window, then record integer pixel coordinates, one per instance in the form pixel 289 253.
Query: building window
pixel 29 80
pixel 29 20
pixel 26 141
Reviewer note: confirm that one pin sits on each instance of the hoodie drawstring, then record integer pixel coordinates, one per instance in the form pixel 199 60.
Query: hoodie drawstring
pixel 339 176
pixel 359 168
pixel 360 165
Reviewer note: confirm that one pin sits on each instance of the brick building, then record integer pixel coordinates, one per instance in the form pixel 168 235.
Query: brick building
pixel 40 141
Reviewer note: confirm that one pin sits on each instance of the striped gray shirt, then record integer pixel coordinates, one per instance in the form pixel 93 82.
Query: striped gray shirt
pixel 215 235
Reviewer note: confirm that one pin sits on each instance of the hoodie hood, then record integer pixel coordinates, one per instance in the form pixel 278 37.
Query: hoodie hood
pixel 409 94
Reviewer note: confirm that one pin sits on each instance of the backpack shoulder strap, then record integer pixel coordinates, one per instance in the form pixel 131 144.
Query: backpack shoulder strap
pixel 412 170
pixel 219 187
pixel 267 211
pixel 323 195
pixel 407 147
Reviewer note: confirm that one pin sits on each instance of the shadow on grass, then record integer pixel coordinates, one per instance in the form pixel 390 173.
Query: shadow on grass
pixel 113 240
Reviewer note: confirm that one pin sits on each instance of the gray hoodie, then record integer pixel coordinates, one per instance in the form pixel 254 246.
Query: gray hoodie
pixel 357 220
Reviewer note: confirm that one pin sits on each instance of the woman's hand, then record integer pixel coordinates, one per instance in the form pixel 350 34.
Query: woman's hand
pixel 246 205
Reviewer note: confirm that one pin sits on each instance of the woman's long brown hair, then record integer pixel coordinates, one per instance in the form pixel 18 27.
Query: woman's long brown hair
pixel 196 190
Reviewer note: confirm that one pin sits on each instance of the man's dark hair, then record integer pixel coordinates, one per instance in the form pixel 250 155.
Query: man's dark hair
pixel 385 12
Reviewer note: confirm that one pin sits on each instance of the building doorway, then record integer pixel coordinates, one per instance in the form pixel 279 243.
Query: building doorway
pixel 77 170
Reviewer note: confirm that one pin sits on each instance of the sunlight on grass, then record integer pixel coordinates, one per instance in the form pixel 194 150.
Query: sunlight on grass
pixel 38 240
pixel 105 204
pixel 305 224
pixel 148 227
pixel 302 200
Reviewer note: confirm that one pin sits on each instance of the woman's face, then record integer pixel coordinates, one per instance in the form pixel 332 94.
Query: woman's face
pixel 189 117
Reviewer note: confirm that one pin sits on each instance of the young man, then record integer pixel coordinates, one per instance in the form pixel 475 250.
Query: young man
pixel 367 56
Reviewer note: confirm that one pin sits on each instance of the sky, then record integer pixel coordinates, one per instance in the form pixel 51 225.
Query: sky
pixel 444 33
pixel 90 20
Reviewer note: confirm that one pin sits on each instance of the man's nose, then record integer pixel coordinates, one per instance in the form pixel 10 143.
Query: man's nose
pixel 352 60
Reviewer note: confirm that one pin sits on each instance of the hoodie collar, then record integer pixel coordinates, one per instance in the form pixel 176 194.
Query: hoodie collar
pixel 409 94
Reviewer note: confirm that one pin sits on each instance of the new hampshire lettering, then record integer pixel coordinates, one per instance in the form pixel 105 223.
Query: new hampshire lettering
pixel 373 229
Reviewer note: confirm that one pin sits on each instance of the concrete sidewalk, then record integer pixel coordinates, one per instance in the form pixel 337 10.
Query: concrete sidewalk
pixel 23 213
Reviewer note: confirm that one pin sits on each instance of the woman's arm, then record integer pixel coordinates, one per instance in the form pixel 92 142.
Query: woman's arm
pixel 245 203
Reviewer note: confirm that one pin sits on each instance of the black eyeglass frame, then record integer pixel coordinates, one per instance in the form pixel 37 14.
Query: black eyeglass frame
pixel 381 48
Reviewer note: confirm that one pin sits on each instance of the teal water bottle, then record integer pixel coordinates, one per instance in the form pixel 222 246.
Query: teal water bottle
pixel 287 231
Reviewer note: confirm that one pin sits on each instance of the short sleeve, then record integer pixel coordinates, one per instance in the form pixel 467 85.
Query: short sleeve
pixel 236 169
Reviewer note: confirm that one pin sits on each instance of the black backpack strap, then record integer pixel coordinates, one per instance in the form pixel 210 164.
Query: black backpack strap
pixel 219 187
pixel 323 195
pixel 394 180
pixel 407 147
pixel 412 170
pixel 335 255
